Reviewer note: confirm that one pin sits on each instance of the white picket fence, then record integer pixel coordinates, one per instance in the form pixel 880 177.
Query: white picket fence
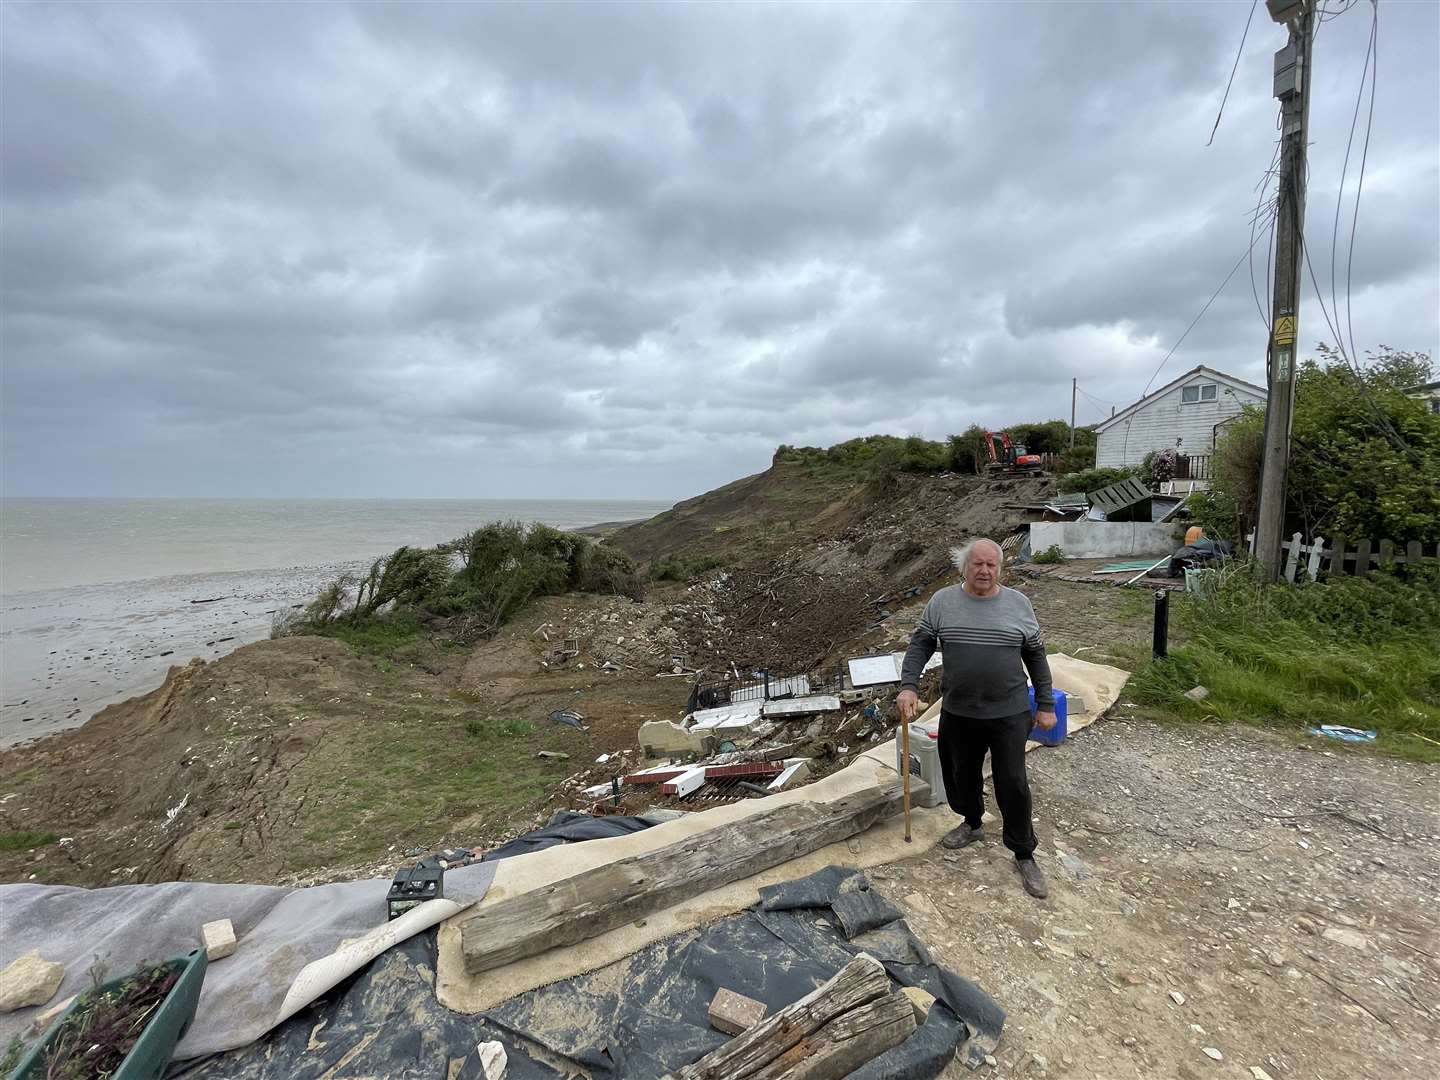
pixel 1337 557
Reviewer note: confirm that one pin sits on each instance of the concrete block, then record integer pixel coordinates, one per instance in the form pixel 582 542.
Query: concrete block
pixel 733 1013
pixel 685 783
pixel 493 1060
pixel 920 1001
pixel 659 737
pixel 218 937
pixel 29 980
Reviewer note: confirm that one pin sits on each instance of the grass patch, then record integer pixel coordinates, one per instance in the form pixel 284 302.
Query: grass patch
pixel 496 727
pixel 24 841
pixel 684 570
pixel 1362 652
pixel 376 636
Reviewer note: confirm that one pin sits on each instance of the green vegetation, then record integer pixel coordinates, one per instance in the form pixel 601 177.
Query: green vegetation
pixel 1362 652
pixel 494 727
pixel 24 841
pixel 1053 554
pixel 885 455
pixel 1095 479
pixel 1365 459
pixel 503 567
pixel 679 569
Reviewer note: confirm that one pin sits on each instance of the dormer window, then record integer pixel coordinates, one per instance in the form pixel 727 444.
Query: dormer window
pixel 1197 392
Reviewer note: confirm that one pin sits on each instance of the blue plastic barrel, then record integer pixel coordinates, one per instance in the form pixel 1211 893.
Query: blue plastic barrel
pixel 1056 735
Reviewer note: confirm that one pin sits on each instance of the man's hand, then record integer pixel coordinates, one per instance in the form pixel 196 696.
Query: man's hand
pixel 908 702
pixel 1045 719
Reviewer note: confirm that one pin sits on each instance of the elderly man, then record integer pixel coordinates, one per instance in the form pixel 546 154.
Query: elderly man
pixel 986 632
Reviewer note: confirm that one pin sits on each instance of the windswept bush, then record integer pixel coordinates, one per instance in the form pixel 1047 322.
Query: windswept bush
pixel 503 567
pixel 1095 479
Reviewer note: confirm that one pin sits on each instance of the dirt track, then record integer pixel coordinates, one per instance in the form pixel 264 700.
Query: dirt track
pixel 1288 894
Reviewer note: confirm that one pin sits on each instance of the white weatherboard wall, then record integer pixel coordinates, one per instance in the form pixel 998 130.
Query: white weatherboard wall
pixel 1104 539
pixel 1156 422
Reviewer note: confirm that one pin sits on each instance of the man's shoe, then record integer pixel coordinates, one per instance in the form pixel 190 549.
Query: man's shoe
pixel 960 836
pixel 1032 877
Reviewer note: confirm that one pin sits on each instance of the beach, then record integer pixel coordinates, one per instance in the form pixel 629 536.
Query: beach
pixel 102 597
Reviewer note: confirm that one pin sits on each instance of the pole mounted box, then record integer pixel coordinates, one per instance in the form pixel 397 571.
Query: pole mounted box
pixel 1284 11
pixel 1289 69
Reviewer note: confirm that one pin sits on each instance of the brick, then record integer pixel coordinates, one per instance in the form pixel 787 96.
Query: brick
pixel 733 1013
pixel 744 768
pixel 218 937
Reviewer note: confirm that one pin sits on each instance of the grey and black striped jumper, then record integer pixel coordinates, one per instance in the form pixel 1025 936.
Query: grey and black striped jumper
pixel 987 643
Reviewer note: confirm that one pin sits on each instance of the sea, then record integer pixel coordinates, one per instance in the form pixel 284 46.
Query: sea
pixel 100 597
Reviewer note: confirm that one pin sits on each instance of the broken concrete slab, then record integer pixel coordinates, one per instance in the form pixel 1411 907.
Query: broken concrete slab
pixel 29 980
pixel 734 1013
pixel 802 706
pixel 687 782
pixel 796 771
pixel 218 937
pixel 658 737
pixel 727 717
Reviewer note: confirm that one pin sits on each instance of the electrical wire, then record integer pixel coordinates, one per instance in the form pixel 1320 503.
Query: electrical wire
pixel 1374 67
pixel 1233 68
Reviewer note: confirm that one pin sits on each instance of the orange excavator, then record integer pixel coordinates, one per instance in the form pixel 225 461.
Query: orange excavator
pixel 1008 459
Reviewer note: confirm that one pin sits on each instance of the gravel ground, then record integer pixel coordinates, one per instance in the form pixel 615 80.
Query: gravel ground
pixel 1223 903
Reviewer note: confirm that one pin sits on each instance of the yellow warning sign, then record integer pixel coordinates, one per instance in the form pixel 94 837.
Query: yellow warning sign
pixel 1285 330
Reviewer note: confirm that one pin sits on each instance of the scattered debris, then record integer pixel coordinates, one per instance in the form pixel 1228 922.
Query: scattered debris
pixel 1177 997
pixel 493 1060
pixel 687 782
pixel 554 755
pixel 1343 935
pixel 1197 693
pixel 29 980
pixel 1212 1053
pixel 218 937
pixel 568 716
pixel 734 1013
pixel 1347 734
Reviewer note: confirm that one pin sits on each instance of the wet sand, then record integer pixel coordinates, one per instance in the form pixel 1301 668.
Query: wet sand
pixel 70 652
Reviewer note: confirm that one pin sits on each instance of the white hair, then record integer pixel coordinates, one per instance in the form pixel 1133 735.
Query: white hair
pixel 960 556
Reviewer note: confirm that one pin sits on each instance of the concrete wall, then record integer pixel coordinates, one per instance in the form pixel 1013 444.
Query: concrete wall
pixel 1159 423
pixel 1104 539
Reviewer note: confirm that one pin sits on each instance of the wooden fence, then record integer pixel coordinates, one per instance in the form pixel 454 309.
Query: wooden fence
pixel 1337 556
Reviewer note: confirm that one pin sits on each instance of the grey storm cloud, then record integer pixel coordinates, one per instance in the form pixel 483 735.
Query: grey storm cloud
pixel 626 249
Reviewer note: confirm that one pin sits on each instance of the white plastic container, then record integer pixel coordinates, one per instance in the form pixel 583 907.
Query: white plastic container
pixel 924 761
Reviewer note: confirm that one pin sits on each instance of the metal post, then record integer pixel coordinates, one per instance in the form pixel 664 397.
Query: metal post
pixel 1073 383
pixel 1161 646
pixel 1292 87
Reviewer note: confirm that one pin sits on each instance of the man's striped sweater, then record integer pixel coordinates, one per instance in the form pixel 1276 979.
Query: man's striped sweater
pixel 985 641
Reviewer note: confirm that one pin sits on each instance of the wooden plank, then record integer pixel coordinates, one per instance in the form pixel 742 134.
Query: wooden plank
pixel 1387 552
pixel 827 1034
pixel 1412 552
pixel 590 903
pixel 1362 557
pixel 1317 549
pixel 1337 555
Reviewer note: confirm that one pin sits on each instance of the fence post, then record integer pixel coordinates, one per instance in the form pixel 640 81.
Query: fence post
pixel 1387 552
pixel 1362 557
pixel 1292 557
pixel 1412 552
pixel 1317 549
pixel 1161 638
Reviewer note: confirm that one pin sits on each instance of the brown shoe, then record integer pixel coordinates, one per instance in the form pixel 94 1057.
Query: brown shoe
pixel 1033 878
pixel 960 836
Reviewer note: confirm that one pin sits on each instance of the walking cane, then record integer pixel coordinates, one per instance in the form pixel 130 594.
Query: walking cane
pixel 905 757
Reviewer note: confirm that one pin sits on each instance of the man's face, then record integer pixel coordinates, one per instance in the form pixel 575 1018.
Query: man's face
pixel 983 570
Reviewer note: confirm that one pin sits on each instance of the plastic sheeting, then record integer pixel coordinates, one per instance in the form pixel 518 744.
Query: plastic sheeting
pixel 568 827
pixel 286 935
pixel 637 1018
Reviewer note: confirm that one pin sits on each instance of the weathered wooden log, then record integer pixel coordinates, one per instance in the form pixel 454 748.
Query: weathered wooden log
pixel 825 1035
pixel 594 901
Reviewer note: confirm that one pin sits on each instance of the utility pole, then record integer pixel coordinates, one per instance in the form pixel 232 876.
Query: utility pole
pixel 1072 413
pixel 1292 87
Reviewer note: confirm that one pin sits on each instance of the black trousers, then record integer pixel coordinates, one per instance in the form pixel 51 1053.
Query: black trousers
pixel 964 742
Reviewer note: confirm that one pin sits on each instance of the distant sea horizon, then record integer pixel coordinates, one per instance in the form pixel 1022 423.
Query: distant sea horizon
pixel 99 597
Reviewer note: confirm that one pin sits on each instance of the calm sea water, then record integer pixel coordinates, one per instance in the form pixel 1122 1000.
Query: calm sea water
pixel 97 596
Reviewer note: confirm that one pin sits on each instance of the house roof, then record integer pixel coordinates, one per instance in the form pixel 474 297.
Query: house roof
pixel 1422 388
pixel 1218 376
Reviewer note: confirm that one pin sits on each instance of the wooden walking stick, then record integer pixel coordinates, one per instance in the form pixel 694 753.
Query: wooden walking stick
pixel 905 758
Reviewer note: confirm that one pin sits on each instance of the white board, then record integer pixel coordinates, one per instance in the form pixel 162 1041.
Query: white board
pixel 727 717
pixel 803 706
pixel 873 671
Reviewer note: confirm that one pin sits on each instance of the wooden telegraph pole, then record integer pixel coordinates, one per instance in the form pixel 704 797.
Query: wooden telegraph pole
pixel 1073 384
pixel 1292 87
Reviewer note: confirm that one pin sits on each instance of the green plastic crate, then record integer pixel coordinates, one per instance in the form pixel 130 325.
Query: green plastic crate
pixel 151 1053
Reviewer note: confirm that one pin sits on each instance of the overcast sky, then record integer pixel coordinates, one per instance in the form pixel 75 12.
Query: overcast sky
pixel 625 250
